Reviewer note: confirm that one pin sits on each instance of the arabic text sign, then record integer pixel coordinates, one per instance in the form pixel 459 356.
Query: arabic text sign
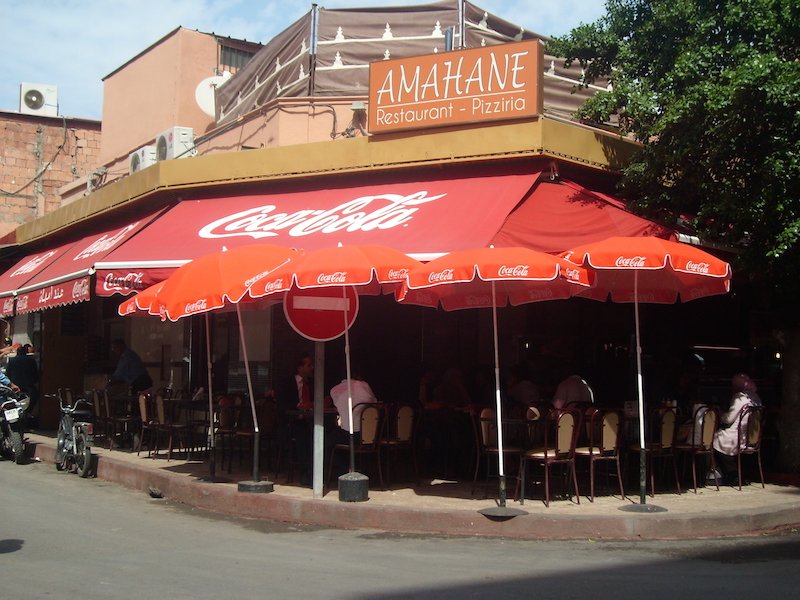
pixel 435 90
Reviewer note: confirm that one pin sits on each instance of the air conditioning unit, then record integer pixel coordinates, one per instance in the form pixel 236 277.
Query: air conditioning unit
pixel 175 142
pixel 38 99
pixel 141 159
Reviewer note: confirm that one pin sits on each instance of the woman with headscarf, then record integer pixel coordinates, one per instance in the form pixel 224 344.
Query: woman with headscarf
pixel 726 440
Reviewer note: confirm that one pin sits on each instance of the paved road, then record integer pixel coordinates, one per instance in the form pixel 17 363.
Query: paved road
pixel 65 537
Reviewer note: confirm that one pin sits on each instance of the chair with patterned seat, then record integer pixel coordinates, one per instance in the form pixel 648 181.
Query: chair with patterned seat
pixel 661 445
pixel 400 438
pixel 369 441
pixel 560 438
pixel 169 423
pixel 700 441
pixel 604 430
pixel 750 429
pixel 148 426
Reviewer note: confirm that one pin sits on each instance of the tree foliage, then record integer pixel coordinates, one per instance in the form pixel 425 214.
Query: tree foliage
pixel 712 91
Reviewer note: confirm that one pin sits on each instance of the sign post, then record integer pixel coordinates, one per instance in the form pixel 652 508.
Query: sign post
pixel 323 314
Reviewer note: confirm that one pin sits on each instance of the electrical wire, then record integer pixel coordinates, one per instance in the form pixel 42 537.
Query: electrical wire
pixel 41 171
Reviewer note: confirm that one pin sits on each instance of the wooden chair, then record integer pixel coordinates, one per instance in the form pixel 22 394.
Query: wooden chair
pixel 119 424
pixel 169 424
pixel 487 447
pixel 400 439
pixel 662 444
pixel 560 438
pixel 705 422
pixel 372 417
pixel 148 426
pixel 604 430
pixel 101 422
pixel 750 428
pixel 225 427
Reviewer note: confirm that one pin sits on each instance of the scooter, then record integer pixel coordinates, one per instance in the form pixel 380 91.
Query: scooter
pixel 12 408
pixel 75 438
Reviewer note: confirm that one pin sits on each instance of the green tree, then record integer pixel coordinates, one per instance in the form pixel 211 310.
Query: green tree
pixel 711 89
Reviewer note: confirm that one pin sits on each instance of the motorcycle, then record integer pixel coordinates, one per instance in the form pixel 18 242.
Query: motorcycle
pixel 12 408
pixel 75 437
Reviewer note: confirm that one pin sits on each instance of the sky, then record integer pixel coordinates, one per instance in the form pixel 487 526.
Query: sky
pixel 74 44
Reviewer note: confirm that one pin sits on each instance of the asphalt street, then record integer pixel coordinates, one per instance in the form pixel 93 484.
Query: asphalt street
pixel 66 537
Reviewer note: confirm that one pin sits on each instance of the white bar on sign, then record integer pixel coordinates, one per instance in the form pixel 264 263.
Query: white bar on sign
pixel 321 303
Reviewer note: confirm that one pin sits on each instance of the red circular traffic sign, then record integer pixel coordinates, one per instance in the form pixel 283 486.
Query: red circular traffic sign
pixel 319 313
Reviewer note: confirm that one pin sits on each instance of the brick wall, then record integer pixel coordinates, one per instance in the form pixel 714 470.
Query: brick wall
pixel 38 155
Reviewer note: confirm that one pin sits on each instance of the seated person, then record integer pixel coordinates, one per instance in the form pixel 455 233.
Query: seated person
pixel 726 439
pixel 571 391
pixel 452 391
pixel 520 389
pixel 362 394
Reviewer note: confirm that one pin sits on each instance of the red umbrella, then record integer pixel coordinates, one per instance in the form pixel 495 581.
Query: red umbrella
pixel 142 302
pixel 213 282
pixel 493 277
pixel 369 268
pixel 652 270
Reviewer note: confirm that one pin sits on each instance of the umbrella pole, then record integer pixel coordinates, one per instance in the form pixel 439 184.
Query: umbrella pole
pixel 256 435
pixel 211 459
pixel 498 404
pixel 349 387
pixel 640 390
pixel 500 512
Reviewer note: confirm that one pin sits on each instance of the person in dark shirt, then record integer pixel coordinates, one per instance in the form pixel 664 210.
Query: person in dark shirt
pixel 130 369
pixel 24 372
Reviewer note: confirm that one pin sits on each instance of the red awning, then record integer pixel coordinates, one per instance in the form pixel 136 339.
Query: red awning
pixel 421 217
pixel 22 272
pixel 560 215
pixel 65 278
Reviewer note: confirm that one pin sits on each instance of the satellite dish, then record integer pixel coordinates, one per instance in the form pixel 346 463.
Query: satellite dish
pixel 136 163
pixel 204 92
pixel 34 99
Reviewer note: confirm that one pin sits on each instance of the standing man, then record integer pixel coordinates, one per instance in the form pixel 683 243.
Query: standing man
pixel 295 430
pixel 130 369
pixel 23 370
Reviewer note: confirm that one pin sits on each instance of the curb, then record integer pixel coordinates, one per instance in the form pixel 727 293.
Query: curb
pixel 363 515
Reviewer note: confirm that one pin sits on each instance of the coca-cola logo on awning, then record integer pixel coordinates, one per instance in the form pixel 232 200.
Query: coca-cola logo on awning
pixel 123 283
pixel 382 211
pixel 33 264
pixel 8 306
pixel 80 289
pixel 105 242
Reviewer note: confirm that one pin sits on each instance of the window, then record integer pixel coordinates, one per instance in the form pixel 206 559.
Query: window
pixel 233 59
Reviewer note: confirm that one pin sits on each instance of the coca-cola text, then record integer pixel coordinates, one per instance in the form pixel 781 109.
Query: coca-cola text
pixel 387 211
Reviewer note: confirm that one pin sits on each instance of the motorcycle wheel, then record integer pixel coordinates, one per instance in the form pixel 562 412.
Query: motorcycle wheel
pixel 17 447
pixel 83 457
pixel 60 443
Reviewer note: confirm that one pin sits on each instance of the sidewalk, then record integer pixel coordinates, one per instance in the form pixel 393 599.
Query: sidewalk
pixel 447 508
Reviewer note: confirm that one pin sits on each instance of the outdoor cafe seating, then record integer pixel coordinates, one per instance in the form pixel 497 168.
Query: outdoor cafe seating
pixel 560 438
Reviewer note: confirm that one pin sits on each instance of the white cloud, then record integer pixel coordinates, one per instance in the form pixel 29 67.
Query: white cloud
pixel 75 43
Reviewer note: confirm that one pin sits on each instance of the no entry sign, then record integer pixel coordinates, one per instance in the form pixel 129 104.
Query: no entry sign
pixel 319 313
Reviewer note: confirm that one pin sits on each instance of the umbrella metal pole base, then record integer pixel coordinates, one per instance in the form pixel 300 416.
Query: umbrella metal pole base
pixel 643 508
pixel 256 487
pixel 353 487
pixel 501 513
